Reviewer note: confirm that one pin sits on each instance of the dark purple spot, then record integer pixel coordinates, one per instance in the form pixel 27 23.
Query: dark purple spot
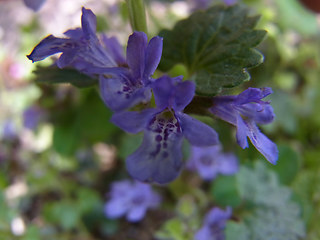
pixel 166 135
pixel 158 138
pixel 157 130
pixel 165 145
pixel 155 153
pixel 165 154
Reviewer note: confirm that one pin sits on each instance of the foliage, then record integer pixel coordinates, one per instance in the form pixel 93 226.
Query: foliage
pixel 217 47
pixel 56 178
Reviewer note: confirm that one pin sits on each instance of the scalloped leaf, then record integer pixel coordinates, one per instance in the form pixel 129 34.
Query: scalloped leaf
pixel 274 214
pixel 216 46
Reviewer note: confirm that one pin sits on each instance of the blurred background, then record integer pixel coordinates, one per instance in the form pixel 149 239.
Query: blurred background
pixel 59 153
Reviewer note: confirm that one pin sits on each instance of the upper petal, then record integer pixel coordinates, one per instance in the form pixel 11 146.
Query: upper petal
pixel 153 56
pixel 136 51
pixel 114 48
pixel 261 113
pixel 76 33
pixel 223 109
pixel 263 144
pixel 88 23
pixel 119 94
pixel 49 46
pixel 133 122
pixel 197 133
pixel 184 93
pixel 163 89
pixel 252 95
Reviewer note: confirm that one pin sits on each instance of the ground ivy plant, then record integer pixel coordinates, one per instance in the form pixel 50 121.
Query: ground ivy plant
pixel 217 47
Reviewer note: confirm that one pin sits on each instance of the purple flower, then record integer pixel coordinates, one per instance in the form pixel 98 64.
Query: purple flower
pixel 230 2
pixel 32 116
pixel 214 225
pixel 210 161
pixel 35 5
pixel 129 86
pixel 9 130
pixel 159 158
pixel 82 49
pixel 130 199
pixel 244 111
pixel 200 4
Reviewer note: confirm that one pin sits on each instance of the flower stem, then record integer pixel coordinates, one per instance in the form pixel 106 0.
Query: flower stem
pixel 137 15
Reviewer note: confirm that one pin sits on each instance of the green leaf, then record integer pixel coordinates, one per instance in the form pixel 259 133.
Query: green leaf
pixel 274 214
pixel 305 21
pixel 172 230
pixel 288 164
pixel 91 119
pixel 186 208
pixel 65 139
pixel 55 75
pixel 216 46
pixel 236 231
pixel 225 192
pixel 64 213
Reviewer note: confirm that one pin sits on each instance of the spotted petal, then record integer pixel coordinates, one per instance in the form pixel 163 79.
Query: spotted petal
pixel 156 160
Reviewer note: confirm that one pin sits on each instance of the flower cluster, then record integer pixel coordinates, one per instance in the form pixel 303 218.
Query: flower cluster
pixel 214 225
pixel 126 82
pixel 130 199
pixel 210 161
pixel 244 111
pixel 35 5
